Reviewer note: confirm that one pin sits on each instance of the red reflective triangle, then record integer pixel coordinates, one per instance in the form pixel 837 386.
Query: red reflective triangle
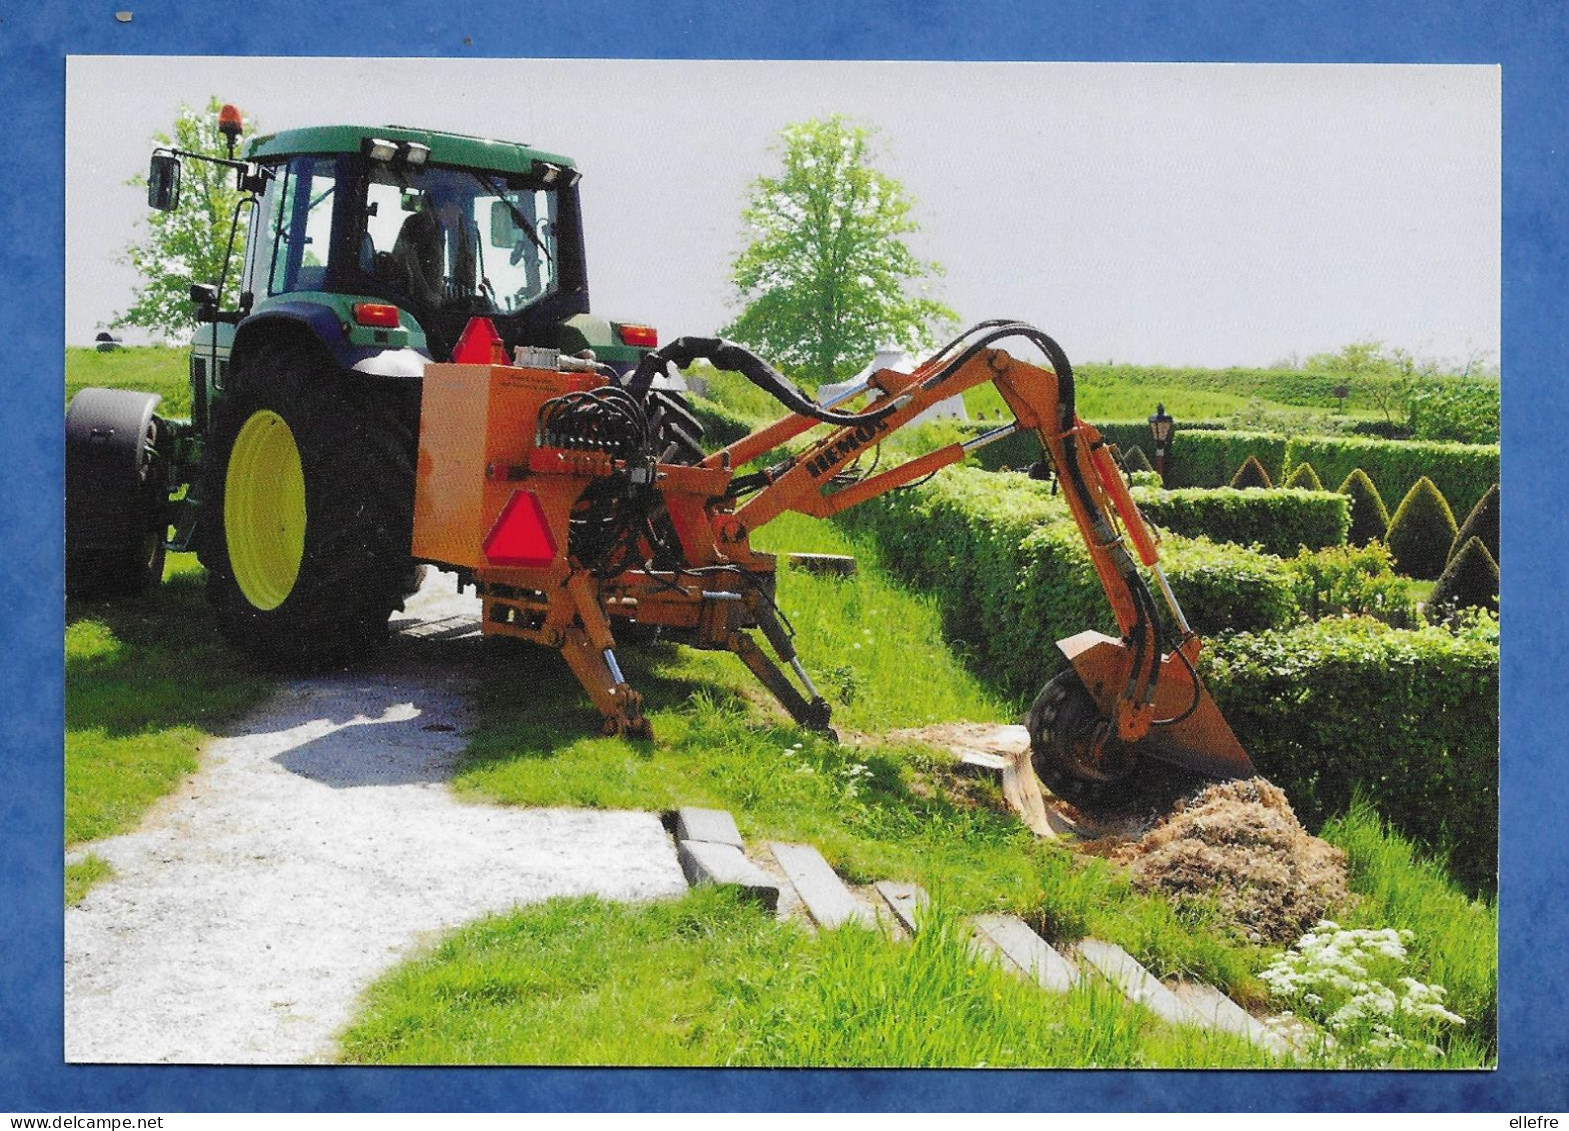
pixel 520 535
pixel 479 344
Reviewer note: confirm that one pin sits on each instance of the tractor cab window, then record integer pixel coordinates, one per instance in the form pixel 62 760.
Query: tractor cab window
pixel 295 236
pixel 459 240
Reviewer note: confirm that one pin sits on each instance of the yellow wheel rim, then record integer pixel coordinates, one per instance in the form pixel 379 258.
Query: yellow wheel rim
pixel 264 510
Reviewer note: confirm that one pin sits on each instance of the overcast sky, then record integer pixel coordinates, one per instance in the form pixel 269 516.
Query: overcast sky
pixel 1158 213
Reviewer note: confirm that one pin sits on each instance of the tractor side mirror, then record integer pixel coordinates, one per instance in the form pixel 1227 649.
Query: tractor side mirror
pixel 163 182
pixel 205 298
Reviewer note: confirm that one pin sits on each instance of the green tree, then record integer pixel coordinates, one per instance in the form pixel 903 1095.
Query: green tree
pixel 827 276
pixel 187 245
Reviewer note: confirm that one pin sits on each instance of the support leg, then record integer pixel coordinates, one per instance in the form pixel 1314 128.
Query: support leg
pixel 596 670
pixel 813 713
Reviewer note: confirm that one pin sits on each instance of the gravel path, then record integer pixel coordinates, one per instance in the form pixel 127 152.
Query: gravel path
pixel 314 849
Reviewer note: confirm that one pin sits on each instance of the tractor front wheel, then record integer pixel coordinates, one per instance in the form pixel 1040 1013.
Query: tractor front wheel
pixel 307 509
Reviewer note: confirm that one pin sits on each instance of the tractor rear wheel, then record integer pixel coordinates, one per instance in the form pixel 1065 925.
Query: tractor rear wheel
pixel 308 510
pixel 115 494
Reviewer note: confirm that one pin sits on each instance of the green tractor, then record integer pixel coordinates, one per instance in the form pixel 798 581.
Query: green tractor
pixel 370 252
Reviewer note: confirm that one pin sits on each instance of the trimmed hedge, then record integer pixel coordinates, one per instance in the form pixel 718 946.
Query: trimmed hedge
pixel 1013 576
pixel 1463 472
pixel 722 426
pixel 1408 718
pixel 1135 460
pixel 1278 520
pixel 1208 459
pixel 1251 475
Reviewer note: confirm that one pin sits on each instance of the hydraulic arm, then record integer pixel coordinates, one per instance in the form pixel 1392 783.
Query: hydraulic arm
pixel 564 512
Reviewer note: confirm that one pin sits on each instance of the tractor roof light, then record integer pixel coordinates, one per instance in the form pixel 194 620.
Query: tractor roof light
pixel 378 149
pixel 229 125
pixel 414 154
pixel 551 175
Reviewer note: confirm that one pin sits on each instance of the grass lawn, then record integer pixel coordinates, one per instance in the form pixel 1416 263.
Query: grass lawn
pixel 153 369
pixel 147 681
pixel 710 980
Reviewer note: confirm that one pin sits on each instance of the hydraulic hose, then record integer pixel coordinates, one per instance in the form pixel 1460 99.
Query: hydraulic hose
pixel 1146 622
pixel 737 358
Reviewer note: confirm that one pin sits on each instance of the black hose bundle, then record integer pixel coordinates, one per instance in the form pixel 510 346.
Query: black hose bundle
pixel 608 420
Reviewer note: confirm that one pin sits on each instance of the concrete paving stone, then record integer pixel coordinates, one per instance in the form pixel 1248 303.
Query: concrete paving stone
pixel 1027 951
pixel 904 900
pixel 1137 984
pixel 1219 1012
pixel 703 862
pixel 716 826
pixel 827 900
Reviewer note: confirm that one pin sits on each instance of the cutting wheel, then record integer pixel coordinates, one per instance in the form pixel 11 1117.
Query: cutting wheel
pixel 1075 749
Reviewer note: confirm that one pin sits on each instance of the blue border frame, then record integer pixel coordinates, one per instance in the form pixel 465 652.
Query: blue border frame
pixel 1529 38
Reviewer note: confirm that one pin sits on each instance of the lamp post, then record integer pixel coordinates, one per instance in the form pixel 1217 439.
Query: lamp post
pixel 1160 428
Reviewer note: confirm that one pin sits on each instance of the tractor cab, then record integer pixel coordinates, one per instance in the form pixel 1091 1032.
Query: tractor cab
pixel 438 226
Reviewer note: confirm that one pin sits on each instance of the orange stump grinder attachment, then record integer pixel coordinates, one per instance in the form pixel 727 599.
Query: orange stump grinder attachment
pixel 575 499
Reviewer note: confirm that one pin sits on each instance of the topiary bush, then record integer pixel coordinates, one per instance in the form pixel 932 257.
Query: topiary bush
pixel 1251 474
pixel 1481 523
pixel 1135 459
pixel 1463 472
pixel 1469 581
pixel 1276 520
pixel 1304 478
pixel 1352 581
pixel 1421 531
pixel 1369 516
pixel 1409 718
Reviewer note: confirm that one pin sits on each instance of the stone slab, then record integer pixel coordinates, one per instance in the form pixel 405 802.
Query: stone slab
pixel 827 900
pixel 1027 951
pixel 703 862
pixel 1137 984
pixel 905 901
pixel 1219 1012
pixel 837 564
pixel 716 826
